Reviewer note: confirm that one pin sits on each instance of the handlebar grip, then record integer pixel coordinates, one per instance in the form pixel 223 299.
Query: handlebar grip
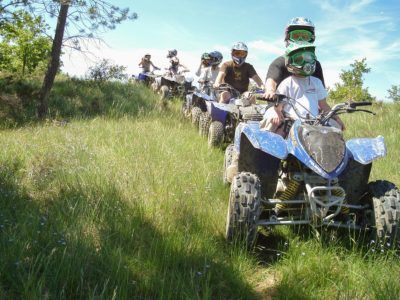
pixel 360 103
pixel 271 100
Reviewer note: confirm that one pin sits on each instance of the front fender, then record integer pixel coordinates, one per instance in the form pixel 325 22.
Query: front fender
pixel 266 141
pixel 365 150
pixel 219 111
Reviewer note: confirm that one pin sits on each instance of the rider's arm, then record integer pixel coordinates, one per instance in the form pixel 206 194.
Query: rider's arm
pixel 258 80
pixel 198 72
pixel 154 66
pixel 221 76
pixel 275 75
pixel 270 88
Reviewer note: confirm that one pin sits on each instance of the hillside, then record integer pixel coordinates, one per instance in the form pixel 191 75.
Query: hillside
pixel 125 201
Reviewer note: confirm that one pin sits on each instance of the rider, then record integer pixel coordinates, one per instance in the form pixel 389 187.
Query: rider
pixel 209 74
pixel 216 59
pixel 145 63
pixel 236 72
pixel 299 29
pixel 307 90
pixel 202 71
pixel 174 62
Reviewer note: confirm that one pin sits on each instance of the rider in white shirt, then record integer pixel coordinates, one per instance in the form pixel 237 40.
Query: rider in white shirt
pixel 307 90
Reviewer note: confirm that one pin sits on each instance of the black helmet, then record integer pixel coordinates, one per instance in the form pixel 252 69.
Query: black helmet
pixel 172 53
pixel 205 56
pixel 216 58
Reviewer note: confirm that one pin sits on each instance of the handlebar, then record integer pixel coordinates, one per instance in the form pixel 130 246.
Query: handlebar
pixel 277 98
pixel 271 100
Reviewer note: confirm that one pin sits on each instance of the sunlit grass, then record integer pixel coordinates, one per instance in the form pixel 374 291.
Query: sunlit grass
pixel 132 205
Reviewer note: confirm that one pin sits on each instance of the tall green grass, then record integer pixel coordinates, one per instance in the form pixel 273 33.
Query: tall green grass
pixel 70 98
pixel 132 206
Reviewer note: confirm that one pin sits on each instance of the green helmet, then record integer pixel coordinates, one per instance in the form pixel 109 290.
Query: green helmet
pixel 300 58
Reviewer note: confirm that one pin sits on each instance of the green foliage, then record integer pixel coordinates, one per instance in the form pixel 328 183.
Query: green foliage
pixel 106 70
pixel 24 47
pixel 71 98
pixel 394 93
pixel 88 19
pixel 351 87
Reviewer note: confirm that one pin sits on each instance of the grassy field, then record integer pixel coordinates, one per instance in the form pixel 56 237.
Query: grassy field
pixel 128 203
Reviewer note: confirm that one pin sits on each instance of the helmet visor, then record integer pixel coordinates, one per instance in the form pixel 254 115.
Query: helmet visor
pixel 300 35
pixel 301 58
pixel 239 53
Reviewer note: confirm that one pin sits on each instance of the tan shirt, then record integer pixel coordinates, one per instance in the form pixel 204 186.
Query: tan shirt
pixel 238 76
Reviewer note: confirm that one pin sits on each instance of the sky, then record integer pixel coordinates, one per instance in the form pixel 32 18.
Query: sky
pixel 346 30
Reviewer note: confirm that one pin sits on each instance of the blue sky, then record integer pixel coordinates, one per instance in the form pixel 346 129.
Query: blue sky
pixel 345 31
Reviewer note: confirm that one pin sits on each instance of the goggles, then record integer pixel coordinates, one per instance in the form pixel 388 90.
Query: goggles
pixel 300 35
pixel 301 58
pixel 239 53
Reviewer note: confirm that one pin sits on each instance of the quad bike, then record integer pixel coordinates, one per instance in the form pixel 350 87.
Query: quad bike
pixel 146 78
pixel 194 105
pixel 221 118
pixel 173 85
pixel 313 176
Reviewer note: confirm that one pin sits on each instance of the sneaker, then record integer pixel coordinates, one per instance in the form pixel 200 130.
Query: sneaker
pixel 231 172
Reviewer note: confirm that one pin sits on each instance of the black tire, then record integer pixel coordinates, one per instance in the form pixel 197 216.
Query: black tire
pixel 385 201
pixel 204 123
pixel 227 161
pixel 196 112
pixel 215 134
pixel 244 210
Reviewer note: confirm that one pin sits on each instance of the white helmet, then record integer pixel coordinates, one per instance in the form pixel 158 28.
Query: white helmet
pixel 300 23
pixel 239 53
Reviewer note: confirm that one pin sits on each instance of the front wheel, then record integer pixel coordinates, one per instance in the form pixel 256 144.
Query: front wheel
pixel 385 201
pixel 215 134
pixel 196 112
pixel 244 209
pixel 204 123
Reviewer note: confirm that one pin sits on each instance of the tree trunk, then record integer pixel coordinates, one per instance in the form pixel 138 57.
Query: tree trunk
pixel 54 62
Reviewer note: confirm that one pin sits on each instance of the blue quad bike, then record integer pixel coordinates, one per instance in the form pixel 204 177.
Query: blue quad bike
pixel 195 103
pixel 313 176
pixel 146 78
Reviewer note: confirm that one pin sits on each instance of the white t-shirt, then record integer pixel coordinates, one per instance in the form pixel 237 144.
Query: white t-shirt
pixel 207 74
pixel 306 90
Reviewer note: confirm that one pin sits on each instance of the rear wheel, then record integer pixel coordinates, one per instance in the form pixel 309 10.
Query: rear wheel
pixel 385 201
pixel 215 134
pixel 196 112
pixel 204 123
pixel 244 209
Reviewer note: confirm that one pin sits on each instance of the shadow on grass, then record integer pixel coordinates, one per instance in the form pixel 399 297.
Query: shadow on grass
pixel 90 242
